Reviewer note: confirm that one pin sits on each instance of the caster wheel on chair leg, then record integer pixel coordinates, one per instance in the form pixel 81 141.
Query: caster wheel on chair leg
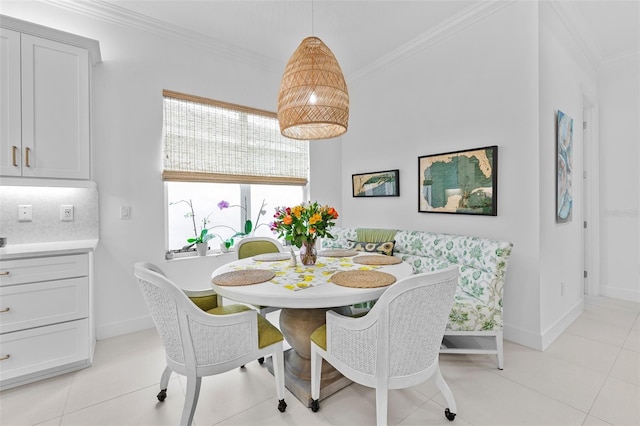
pixel 449 415
pixel 162 395
pixel 282 405
pixel 315 405
pixel 260 360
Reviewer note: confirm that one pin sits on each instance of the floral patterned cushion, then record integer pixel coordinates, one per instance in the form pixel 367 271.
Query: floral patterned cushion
pixel 340 238
pixel 483 265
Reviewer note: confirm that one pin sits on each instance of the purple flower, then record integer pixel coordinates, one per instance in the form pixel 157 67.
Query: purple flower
pixel 223 205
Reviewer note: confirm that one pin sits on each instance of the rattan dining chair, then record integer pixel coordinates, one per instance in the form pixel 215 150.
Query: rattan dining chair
pixel 252 246
pixel 395 345
pixel 200 343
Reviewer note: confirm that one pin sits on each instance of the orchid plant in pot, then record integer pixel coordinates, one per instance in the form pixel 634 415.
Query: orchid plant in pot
pixel 202 236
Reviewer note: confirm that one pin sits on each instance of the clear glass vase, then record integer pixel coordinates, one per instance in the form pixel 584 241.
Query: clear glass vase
pixel 308 253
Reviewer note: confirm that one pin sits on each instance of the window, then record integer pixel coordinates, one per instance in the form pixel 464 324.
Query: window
pixel 215 151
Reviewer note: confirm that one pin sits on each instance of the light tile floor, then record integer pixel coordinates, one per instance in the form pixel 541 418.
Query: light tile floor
pixel 589 376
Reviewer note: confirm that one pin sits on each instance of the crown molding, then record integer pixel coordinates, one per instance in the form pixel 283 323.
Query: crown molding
pixel 576 25
pixel 469 16
pixel 621 57
pixel 111 13
pixel 92 46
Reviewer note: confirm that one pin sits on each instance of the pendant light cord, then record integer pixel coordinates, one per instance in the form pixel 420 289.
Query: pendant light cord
pixel 312 17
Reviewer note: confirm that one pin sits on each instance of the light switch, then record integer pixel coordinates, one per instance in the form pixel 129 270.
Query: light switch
pixel 25 213
pixel 125 212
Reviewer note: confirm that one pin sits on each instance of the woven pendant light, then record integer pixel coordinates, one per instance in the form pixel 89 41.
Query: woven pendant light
pixel 313 102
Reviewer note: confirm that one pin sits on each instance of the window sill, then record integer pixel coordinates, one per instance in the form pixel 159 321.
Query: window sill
pixel 171 255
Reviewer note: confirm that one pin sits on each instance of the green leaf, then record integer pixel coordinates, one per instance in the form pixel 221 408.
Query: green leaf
pixel 248 226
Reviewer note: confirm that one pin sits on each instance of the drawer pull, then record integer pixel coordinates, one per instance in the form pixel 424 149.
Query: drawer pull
pixel 4 310
pixel 7 356
pixel 27 152
pixel 3 273
pixel 14 155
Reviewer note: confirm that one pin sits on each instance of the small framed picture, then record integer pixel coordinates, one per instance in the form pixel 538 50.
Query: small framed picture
pixel 462 182
pixel 376 184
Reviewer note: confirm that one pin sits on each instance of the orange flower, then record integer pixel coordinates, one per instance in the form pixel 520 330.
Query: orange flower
pixel 312 230
pixel 333 212
pixel 287 220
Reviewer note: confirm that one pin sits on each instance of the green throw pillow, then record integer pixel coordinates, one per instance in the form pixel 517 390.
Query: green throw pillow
pixel 381 248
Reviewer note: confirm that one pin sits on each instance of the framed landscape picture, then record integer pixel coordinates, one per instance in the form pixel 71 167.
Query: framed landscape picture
pixel 463 182
pixel 376 184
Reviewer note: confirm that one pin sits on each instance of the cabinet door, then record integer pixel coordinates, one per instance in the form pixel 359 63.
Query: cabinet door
pixel 55 109
pixel 10 127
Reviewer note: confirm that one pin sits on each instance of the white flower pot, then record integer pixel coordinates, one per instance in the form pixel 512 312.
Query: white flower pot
pixel 202 248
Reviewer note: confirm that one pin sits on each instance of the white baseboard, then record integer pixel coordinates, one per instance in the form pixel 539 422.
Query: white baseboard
pixel 620 293
pixel 522 337
pixel 541 341
pixel 552 333
pixel 124 327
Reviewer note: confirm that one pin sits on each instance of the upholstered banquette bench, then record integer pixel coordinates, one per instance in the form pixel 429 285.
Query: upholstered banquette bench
pixel 477 309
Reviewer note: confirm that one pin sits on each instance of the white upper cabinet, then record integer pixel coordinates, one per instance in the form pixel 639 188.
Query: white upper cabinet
pixel 46 120
pixel 10 104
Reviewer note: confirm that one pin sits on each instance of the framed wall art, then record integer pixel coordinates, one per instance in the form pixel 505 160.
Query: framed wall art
pixel 376 184
pixel 564 162
pixel 463 182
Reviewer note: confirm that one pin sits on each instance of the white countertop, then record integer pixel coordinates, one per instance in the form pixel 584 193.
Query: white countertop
pixel 12 251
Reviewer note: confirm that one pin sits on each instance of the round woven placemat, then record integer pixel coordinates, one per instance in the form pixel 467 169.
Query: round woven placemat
pixel 337 253
pixel 362 279
pixel 243 277
pixel 377 260
pixel 271 257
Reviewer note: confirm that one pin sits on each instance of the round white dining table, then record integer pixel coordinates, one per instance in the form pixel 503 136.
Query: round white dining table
pixel 305 293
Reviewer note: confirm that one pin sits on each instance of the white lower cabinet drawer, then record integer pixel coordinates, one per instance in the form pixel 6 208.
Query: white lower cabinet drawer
pixel 42 348
pixel 33 305
pixel 19 271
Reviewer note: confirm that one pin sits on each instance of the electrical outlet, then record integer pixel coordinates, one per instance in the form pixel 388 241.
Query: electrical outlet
pixel 25 213
pixel 66 213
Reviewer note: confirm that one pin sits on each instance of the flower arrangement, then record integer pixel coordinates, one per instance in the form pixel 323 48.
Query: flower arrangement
pixel 304 223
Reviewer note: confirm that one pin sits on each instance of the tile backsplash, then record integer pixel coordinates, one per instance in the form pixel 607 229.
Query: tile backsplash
pixel 46 225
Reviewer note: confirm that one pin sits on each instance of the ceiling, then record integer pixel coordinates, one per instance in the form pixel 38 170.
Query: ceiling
pixel 359 32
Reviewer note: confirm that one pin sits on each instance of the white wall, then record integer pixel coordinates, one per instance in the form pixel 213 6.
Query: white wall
pixel 480 86
pixel 127 128
pixel 565 78
pixel 477 87
pixel 619 94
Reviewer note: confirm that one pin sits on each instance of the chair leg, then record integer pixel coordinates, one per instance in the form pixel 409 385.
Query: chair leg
pixel 382 395
pixel 164 383
pixel 316 370
pixel 500 350
pixel 452 409
pixel 278 374
pixel 191 400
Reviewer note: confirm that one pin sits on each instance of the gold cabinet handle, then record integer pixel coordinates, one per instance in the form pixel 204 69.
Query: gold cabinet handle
pixel 7 356
pixel 27 151
pixel 14 155
pixel 4 310
pixel 4 273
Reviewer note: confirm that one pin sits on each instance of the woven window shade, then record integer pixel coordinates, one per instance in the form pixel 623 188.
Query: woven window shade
pixel 313 102
pixel 213 141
